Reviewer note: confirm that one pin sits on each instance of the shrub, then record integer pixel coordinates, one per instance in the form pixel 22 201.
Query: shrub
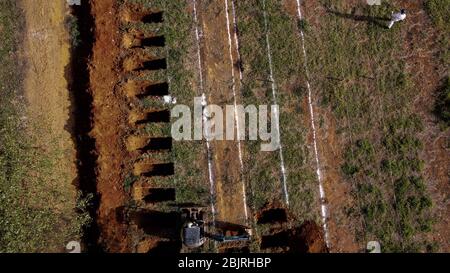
pixel 349 169
pixel 73 29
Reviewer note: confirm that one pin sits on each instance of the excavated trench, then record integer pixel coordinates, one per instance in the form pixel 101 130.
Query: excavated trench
pixel 158 195
pixel 143 89
pixel 134 14
pixel 139 40
pixel 166 227
pixel 142 117
pixel 282 237
pixel 149 168
pixel 272 215
pixel 143 63
pixel 78 78
pixel 162 229
pixel 307 238
pixel 158 227
pixel 148 144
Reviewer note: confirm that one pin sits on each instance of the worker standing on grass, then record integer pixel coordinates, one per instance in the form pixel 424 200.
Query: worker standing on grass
pixel 396 17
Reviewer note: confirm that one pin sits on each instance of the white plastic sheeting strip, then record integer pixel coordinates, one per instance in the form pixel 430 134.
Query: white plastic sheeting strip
pixel 208 146
pixel 244 194
pixel 236 40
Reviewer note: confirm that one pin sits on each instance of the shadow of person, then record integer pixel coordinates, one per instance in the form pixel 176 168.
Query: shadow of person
pixel 379 21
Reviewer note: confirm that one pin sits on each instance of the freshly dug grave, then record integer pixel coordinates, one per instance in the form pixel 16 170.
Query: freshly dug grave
pixel 307 238
pixel 109 128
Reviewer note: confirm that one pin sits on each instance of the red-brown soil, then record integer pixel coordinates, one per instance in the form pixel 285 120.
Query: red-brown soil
pixel 118 147
pixel 125 164
pixel 110 119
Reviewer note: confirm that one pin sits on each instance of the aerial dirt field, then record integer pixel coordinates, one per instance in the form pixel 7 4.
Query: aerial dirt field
pixel 131 69
pixel 125 69
pixel 429 72
pixel 337 190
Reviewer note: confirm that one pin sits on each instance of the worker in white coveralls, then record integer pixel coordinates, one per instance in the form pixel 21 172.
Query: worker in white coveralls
pixel 396 17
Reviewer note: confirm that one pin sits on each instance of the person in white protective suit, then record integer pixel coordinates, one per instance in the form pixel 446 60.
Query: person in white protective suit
pixel 397 17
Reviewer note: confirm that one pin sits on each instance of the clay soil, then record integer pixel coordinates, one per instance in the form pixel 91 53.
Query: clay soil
pixel 123 165
pixel 109 126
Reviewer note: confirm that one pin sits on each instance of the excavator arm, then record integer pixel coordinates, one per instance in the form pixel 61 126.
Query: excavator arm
pixel 224 239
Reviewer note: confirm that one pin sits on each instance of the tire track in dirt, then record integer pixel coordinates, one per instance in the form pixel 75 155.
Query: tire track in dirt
pixel 236 39
pixel 241 77
pixel 277 233
pixel 342 228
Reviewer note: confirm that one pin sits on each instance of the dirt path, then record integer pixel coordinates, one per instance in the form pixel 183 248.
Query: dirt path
pixel 219 90
pixel 46 51
pixel 339 198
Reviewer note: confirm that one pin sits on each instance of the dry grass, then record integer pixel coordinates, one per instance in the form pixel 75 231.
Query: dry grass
pixel 365 82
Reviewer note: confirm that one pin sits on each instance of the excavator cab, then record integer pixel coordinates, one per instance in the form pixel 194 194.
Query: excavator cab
pixel 193 229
